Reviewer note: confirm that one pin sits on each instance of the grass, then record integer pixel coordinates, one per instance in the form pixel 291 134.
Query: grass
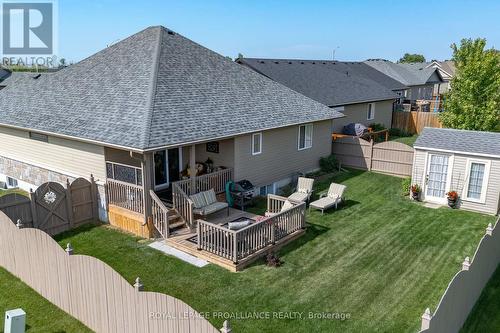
pixel 407 140
pixel 381 259
pixel 13 190
pixel 484 316
pixel 41 315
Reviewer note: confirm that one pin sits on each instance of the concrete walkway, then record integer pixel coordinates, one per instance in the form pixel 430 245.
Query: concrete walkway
pixel 161 246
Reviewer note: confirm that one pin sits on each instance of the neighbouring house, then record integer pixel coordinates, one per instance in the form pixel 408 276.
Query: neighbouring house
pixel 419 79
pixel 149 111
pixel 339 85
pixel 458 160
pixel 447 71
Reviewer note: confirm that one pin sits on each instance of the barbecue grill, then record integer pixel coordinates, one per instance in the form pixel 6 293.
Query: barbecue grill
pixel 242 192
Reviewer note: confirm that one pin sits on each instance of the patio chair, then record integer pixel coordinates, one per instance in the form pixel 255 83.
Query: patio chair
pixel 205 203
pixel 332 198
pixel 303 191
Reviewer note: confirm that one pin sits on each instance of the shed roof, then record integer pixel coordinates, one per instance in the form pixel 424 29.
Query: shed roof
pixel 459 141
pixel 154 89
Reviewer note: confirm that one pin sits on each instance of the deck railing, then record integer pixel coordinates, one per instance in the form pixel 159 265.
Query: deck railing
pixel 216 180
pixel 125 195
pixel 160 214
pixel 182 204
pixel 243 243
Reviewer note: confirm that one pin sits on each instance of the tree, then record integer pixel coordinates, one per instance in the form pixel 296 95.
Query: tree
pixel 62 62
pixel 473 102
pixel 412 58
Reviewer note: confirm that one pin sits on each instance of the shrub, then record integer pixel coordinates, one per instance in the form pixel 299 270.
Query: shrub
pixel 398 132
pixel 416 188
pixel 405 186
pixel 377 127
pixel 328 164
pixel 273 260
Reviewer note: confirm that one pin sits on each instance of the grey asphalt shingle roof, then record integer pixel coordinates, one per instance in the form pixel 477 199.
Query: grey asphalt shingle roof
pixel 155 88
pixel 329 82
pixel 473 142
pixel 409 74
pixel 16 77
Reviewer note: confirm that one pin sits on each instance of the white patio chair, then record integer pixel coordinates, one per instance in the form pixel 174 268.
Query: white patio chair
pixel 303 191
pixel 334 196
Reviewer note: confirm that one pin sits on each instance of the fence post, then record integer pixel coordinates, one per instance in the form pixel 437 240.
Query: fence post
pixel 226 328
pixel 466 264
pixel 426 319
pixel 69 204
pixel 69 249
pixel 34 216
pixel 138 285
pixel 95 201
pixel 371 155
pixel 489 229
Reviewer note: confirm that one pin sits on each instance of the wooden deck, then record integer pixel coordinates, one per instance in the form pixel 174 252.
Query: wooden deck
pixel 184 240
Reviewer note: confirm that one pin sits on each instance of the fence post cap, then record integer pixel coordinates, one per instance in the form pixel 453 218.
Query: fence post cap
pixel 138 285
pixel 427 314
pixel 466 264
pixel 489 229
pixel 19 224
pixel 226 328
pixel 69 249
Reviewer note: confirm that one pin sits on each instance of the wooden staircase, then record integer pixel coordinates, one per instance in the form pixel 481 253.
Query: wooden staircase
pixel 166 219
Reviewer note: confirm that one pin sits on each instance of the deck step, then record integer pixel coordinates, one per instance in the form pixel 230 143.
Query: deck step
pixel 176 225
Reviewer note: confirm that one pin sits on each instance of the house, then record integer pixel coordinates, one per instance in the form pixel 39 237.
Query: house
pixel 335 84
pixel 458 160
pixel 185 104
pixel 417 77
pixel 447 71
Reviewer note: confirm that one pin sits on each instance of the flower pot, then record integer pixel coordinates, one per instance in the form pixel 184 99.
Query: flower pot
pixel 415 195
pixel 452 203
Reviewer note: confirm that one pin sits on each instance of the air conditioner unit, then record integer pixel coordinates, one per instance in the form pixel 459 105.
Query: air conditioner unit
pixel 15 321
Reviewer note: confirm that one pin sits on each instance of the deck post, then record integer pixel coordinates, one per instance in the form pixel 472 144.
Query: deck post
pixel 192 168
pixel 198 232
pixel 235 247
pixel 147 181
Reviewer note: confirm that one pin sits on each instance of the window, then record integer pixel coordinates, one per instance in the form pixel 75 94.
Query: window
pixel 476 182
pixel 124 173
pixel 371 111
pixel 256 143
pixel 11 182
pixel 268 189
pixel 305 136
pixel 39 137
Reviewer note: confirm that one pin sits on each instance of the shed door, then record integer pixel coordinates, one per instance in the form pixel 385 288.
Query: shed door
pixel 437 177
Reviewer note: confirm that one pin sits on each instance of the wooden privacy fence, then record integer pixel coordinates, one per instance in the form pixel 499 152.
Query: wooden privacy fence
pixel 53 208
pixel 393 158
pixel 90 290
pixel 242 244
pixel 414 122
pixel 465 287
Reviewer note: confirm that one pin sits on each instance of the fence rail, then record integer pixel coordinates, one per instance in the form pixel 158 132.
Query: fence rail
pixel 183 204
pixel 242 244
pixel 125 195
pixel 160 214
pixel 465 287
pixel 414 122
pixel 393 158
pixel 90 290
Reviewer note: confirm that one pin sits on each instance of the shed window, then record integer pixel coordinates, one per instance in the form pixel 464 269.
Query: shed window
pixel 256 143
pixel 39 137
pixel 477 182
pixel 305 136
pixel 370 115
pixel 11 182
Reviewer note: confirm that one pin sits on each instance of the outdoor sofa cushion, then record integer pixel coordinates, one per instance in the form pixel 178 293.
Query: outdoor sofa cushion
pixel 198 200
pixel 215 207
pixel 238 225
pixel 210 196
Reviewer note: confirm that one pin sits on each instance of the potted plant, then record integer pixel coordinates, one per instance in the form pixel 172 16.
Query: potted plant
pixel 452 198
pixel 415 191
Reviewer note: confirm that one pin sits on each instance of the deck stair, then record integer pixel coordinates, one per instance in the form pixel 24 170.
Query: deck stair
pixel 166 219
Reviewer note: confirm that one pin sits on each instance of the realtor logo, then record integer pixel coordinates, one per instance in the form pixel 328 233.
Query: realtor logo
pixel 28 28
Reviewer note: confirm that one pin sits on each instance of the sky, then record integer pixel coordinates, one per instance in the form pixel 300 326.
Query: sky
pixel 353 30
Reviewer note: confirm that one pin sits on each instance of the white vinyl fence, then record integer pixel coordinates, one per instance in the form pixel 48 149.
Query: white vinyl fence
pixel 90 290
pixel 465 287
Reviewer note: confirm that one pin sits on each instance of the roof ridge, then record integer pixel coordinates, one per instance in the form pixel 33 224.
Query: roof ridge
pixel 152 87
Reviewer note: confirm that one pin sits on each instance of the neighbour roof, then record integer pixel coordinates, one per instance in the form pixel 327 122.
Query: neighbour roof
pixel 409 74
pixel 471 142
pixel 447 66
pixel 155 88
pixel 15 77
pixel 329 82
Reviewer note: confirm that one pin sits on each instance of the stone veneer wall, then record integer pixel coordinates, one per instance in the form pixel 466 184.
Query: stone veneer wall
pixel 36 176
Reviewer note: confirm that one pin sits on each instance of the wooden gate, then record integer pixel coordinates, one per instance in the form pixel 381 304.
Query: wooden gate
pixel 53 208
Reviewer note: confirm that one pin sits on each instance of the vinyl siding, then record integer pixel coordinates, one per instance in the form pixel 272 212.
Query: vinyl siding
pixel 225 157
pixel 72 158
pixel 280 158
pixel 459 178
pixel 358 113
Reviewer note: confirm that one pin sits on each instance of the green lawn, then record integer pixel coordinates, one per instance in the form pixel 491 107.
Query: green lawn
pixel 381 259
pixel 41 315
pixel 485 314
pixel 407 140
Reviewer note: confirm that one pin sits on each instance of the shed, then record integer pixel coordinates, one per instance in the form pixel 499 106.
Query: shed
pixel 459 160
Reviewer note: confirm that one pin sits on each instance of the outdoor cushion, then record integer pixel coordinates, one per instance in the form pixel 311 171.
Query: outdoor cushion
pixel 238 225
pixel 210 196
pixel 286 205
pixel 297 196
pixel 212 208
pixel 325 203
pixel 336 190
pixel 198 200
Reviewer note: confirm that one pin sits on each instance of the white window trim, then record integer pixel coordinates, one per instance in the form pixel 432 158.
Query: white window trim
pixel 484 186
pixel 368 111
pixel 260 143
pixel 305 140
